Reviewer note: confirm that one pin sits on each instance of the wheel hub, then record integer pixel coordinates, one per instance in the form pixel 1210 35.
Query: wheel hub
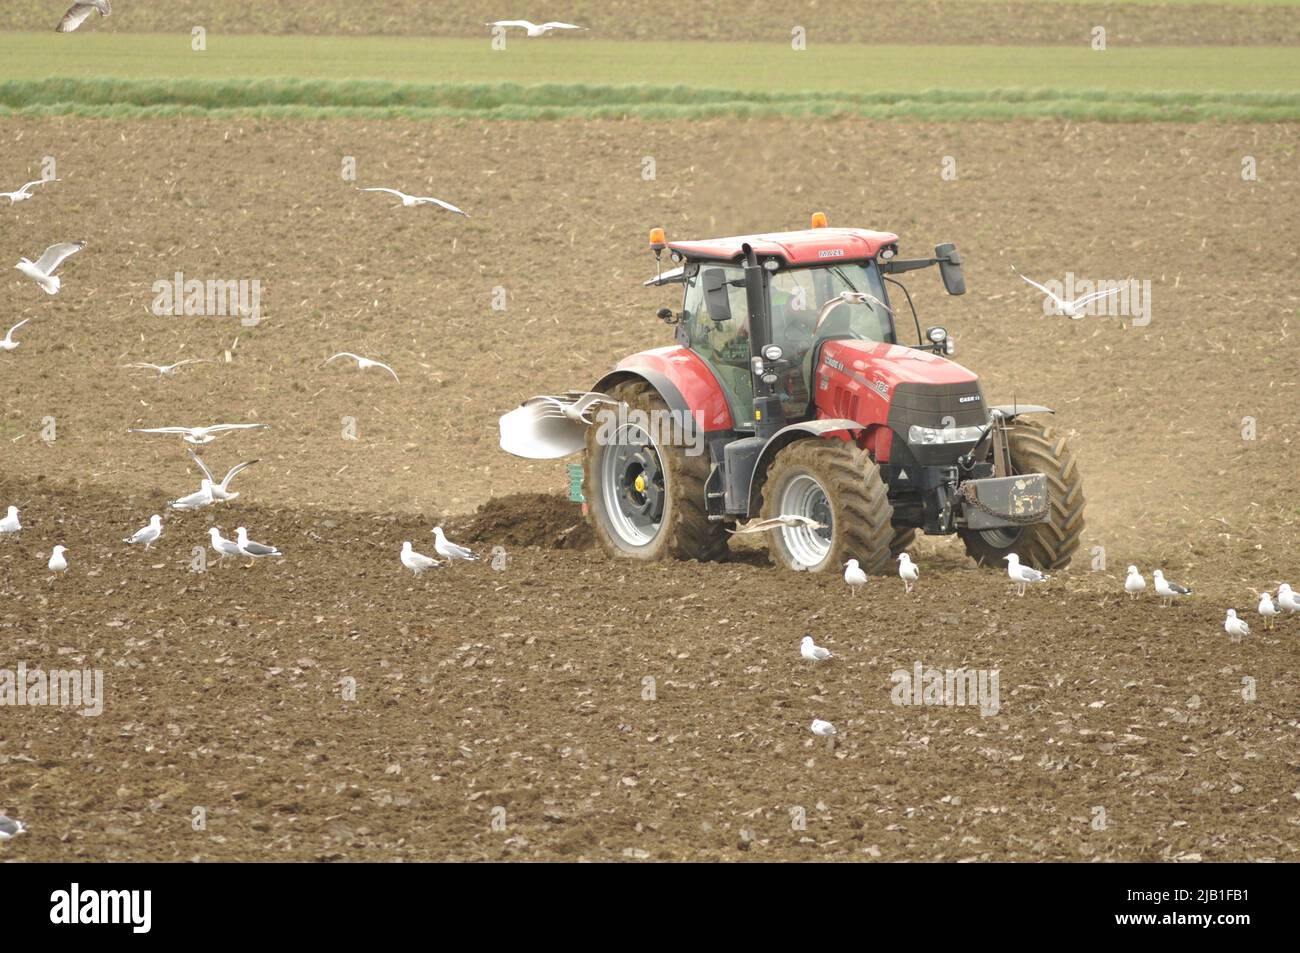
pixel 804 496
pixel 634 484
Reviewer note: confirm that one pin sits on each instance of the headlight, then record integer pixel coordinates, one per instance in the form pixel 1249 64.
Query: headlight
pixel 887 253
pixel 924 436
pixel 937 335
pixel 772 352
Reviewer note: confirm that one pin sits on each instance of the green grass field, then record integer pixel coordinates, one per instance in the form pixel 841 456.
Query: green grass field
pixel 602 78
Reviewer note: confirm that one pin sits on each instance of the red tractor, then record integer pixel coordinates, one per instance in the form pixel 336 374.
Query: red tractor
pixel 789 395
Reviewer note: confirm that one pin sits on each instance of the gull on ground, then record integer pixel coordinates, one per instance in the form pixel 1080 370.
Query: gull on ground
pixel 254 551
pixel 24 193
pixel 416 562
pixel 813 652
pixel 1236 628
pixel 908 571
pixel 198 435
pixel 411 201
pixel 362 362
pixel 146 534
pixel 58 561
pixel 225 547
pixel 1168 591
pixel 78 12
pixel 1134 584
pixel 777 522
pixel 221 490
pixel 1267 609
pixel 10 523
pixel 1286 598
pixel 1073 308
pixel 9 343
pixel 167 370
pixel 197 500
pixel 1022 576
pixel 449 550
pixel 537 29
pixel 10 828
pixel 854 576
pixel 42 270
pixel 822 729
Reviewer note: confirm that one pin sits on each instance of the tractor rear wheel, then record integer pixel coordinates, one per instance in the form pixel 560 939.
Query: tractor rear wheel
pixel 1037 449
pixel 645 499
pixel 833 482
pixel 904 537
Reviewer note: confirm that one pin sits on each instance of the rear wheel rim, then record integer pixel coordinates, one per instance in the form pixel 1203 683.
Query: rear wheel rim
pixel 634 486
pixel 804 496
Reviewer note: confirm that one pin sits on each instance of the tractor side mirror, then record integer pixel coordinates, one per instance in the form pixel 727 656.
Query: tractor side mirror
pixel 716 295
pixel 950 268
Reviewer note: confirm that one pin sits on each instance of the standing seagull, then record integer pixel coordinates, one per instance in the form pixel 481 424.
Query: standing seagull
pixel 1236 628
pixel 854 576
pixel 58 561
pixel 1168 591
pixel 252 550
pixel 411 201
pixel 416 562
pixel 221 491
pixel 23 194
pixel 1267 609
pixel 908 571
pixel 822 729
pixel 9 343
pixel 10 524
pixel 10 828
pixel 1022 576
pixel 224 547
pixel 1134 584
pixel 813 652
pixel 78 12
pixel 42 270
pixel 537 29
pixel 362 362
pixel 1286 598
pixel 449 550
pixel 1073 308
pixel 146 534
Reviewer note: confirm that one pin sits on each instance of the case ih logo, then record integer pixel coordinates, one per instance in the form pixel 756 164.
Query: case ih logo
pixel 831 253
pixel 967 400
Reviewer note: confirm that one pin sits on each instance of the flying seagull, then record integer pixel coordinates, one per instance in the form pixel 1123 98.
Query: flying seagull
pixel 146 534
pixel 78 12
pixel 449 550
pixel 221 490
pixel 9 343
pixel 1022 576
pixel 254 551
pixel 574 408
pixel 225 547
pixel 854 576
pixel 1237 629
pixel 42 270
pixel 777 522
pixel 197 500
pixel 813 652
pixel 537 29
pixel 1073 308
pixel 198 435
pixel 10 828
pixel 1168 591
pixel 1134 584
pixel 411 201
pixel 167 370
pixel 908 571
pixel 363 363
pixel 416 562
pixel 24 193
pixel 822 729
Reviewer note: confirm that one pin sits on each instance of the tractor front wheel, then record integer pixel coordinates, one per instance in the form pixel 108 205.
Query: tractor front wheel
pixel 645 498
pixel 834 483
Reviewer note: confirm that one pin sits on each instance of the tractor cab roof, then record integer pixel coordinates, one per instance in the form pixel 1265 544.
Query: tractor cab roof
pixel 810 246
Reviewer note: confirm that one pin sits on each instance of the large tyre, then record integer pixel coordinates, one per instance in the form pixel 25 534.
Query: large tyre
pixel 646 500
pixel 1037 449
pixel 833 482
pixel 904 537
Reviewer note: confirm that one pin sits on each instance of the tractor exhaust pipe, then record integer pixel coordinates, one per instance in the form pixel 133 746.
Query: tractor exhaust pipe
pixel 769 415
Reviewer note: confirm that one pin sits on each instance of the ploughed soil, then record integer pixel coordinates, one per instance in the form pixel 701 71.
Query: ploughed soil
pixel 843 21
pixel 613 709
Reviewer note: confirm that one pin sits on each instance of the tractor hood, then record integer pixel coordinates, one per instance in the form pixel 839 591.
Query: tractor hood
pixel 891 364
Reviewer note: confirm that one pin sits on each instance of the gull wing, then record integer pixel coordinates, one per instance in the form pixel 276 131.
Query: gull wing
pixel 355 357
pixel 203 466
pixel 526 24
pixel 29 185
pixel 1080 302
pixel 53 256
pixel 75 16
pixel 230 474
pixel 16 327
pixel 401 195
pixel 1059 302
pixel 556 25
pixel 430 200
pixel 157 429
pixel 218 428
